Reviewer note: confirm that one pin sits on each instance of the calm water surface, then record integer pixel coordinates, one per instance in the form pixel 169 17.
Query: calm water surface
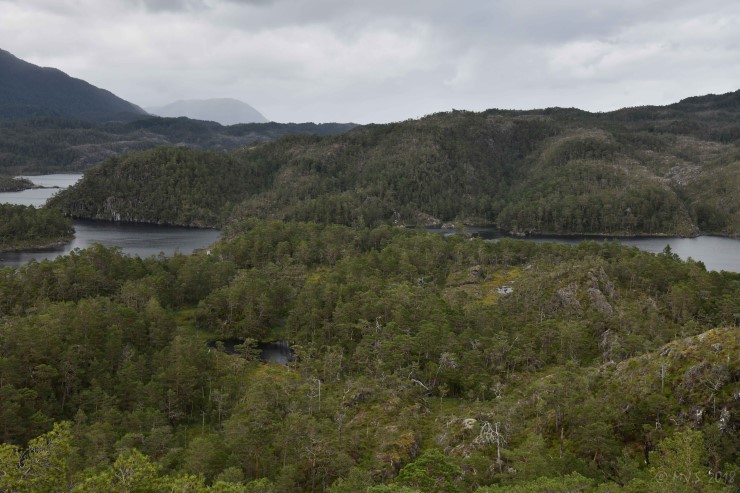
pixel 716 252
pixel 143 240
pixel 37 197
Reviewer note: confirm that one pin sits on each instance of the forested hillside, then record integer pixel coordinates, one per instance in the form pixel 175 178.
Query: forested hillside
pixel 53 145
pixel 655 170
pixel 424 364
pixel 200 189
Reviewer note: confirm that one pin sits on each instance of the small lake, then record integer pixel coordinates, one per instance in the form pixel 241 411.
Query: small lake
pixel 144 240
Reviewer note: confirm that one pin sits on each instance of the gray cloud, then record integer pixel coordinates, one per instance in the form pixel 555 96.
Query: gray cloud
pixel 322 60
pixel 172 5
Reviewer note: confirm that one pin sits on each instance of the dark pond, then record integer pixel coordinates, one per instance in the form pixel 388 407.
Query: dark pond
pixel 277 352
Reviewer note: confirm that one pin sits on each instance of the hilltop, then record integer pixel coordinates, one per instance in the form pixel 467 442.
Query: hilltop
pixel 51 122
pixel 672 170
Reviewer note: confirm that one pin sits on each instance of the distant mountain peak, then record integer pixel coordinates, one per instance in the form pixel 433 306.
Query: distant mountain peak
pixel 226 111
pixel 27 90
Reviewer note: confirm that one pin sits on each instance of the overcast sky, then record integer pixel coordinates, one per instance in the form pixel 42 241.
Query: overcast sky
pixel 385 60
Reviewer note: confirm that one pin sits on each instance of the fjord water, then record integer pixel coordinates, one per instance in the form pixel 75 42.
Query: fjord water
pixel 37 197
pixel 144 240
pixel 717 253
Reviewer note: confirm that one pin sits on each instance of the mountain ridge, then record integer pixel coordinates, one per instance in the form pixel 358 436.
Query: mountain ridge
pixel 27 90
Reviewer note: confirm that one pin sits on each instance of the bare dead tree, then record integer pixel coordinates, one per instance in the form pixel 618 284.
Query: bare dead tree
pixel 492 434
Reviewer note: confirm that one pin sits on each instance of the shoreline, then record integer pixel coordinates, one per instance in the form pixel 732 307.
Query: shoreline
pixel 141 223
pixel 35 246
pixel 596 236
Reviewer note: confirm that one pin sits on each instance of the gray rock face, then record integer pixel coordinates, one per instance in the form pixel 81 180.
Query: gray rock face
pixel 225 111
pixel 599 301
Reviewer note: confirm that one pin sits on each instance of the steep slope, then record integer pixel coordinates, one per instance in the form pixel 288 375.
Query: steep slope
pixel 225 111
pixel 27 90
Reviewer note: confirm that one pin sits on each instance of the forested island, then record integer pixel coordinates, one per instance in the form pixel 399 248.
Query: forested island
pixel 28 227
pixel 669 170
pixel 10 184
pixel 423 364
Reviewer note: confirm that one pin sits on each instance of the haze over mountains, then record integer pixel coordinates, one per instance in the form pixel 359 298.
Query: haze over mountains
pixel 226 111
pixel 27 90
pixel 51 122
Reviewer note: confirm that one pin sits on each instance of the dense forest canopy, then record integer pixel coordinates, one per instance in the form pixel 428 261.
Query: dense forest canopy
pixel 214 182
pixel 424 364
pixel 53 145
pixel 671 170
pixel 28 227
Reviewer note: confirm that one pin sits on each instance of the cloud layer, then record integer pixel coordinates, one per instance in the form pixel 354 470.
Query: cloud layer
pixel 348 60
